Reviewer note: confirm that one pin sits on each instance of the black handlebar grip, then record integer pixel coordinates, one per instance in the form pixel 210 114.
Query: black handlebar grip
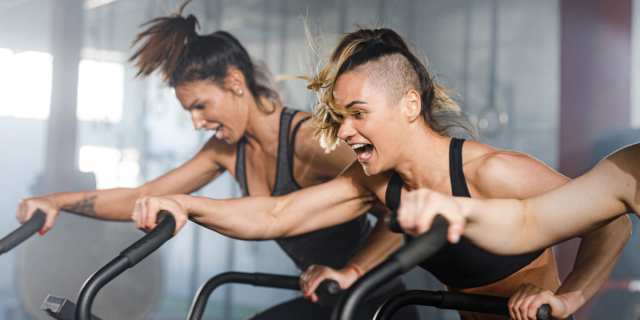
pixel 422 247
pixel 23 233
pixel 392 222
pixel 544 312
pixel 329 286
pixel 153 240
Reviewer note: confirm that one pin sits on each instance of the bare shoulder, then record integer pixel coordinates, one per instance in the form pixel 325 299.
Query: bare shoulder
pixel 375 185
pixel 308 151
pixel 495 173
pixel 218 152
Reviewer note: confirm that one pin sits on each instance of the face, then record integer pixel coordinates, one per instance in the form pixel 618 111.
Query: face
pixel 372 130
pixel 215 108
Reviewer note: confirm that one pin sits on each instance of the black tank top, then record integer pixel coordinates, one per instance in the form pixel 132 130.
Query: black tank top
pixel 333 246
pixel 462 265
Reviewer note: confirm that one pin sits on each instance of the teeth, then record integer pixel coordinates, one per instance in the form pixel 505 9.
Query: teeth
pixel 218 132
pixel 366 156
pixel 356 146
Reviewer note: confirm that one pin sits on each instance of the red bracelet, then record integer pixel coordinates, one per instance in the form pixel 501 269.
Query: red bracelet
pixel 356 269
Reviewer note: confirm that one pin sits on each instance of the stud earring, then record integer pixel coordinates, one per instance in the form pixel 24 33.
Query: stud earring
pixel 240 92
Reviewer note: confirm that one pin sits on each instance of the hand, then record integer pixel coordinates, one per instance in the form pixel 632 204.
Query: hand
pixel 147 208
pixel 28 207
pixel 419 208
pixel 312 278
pixel 524 304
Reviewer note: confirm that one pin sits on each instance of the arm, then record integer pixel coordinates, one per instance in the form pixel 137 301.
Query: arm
pixel 262 218
pixel 519 176
pixel 380 244
pixel 116 204
pixel 513 227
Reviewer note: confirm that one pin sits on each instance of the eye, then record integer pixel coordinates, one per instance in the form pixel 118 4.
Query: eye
pixel 199 107
pixel 358 114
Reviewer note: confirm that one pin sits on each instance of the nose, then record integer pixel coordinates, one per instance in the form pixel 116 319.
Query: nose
pixel 346 131
pixel 198 120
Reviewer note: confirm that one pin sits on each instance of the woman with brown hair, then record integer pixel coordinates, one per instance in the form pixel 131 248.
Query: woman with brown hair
pixel 380 99
pixel 268 148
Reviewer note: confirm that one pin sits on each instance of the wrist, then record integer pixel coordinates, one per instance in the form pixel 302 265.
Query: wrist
pixel 572 302
pixel 354 271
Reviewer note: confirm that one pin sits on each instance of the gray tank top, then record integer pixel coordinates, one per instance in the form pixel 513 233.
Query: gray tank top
pixel 333 246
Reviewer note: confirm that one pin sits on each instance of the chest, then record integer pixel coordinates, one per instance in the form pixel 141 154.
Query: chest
pixel 261 170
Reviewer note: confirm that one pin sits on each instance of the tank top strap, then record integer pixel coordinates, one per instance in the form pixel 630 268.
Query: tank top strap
pixel 456 174
pixel 284 177
pixel 394 192
pixel 241 170
pixel 292 146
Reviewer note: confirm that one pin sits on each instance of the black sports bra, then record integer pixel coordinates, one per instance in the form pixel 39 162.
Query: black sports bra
pixel 462 265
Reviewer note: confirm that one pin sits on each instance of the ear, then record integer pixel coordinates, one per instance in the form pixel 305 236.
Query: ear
pixel 235 81
pixel 412 105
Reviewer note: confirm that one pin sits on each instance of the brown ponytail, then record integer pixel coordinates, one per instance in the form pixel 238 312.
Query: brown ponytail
pixel 167 44
pixel 395 66
pixel 172 45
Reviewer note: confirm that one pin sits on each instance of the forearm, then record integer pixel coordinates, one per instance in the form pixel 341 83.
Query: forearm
pixel 111 204
pixel 597 256
pixel 380 244
pixel 249 218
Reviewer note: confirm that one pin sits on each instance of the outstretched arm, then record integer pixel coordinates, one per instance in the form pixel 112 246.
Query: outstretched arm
pixel 585 204
pixel 261 218
pixel 116 204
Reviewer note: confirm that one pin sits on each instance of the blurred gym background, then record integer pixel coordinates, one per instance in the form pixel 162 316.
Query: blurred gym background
pixel 559 80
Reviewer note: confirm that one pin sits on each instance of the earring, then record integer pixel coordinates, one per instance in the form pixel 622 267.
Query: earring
pixel 240 92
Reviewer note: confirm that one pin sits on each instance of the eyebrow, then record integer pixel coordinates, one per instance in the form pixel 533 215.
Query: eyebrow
pixel 193 104
pixel 352 103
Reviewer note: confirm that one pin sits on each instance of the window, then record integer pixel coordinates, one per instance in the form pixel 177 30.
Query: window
pixel 100 91
pixel 25 84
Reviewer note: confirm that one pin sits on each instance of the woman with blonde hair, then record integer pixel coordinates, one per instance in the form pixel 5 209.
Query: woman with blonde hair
pixel 268 148
pixel 379 98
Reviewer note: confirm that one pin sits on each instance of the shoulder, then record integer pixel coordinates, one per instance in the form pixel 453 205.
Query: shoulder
pixel 494 173
pixel 307 149
pixel 218 151
pixel 375 184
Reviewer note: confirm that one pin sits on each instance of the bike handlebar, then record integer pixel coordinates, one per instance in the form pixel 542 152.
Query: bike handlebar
pixel 125 260
pixel 23 233
pixel 449 300
pixel 453 301
pixel 256 279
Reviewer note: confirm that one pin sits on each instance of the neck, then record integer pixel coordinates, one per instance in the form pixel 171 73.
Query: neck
pixel 426 163
pixel 263 128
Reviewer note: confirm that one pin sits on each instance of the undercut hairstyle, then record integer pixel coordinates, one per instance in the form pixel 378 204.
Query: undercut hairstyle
pixel 172 46
pixel 386 60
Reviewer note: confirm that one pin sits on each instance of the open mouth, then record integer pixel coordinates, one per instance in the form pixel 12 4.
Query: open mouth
pixel 363 150
pixel 218 132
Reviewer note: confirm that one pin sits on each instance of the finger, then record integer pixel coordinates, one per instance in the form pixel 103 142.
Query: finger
pixel 180 222
pixel 135 216
pixel 536 303
pixel 49 221
pixel 314 298
pixel 525 307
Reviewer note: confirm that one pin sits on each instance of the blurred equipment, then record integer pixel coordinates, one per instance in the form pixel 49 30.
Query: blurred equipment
pixel 59 262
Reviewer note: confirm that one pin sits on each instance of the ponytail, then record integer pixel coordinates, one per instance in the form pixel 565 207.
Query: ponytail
pixel 172 46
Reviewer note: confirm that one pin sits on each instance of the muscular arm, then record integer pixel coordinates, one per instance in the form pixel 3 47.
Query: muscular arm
pixel 581 206
pixel 599 249
pixel 261 218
